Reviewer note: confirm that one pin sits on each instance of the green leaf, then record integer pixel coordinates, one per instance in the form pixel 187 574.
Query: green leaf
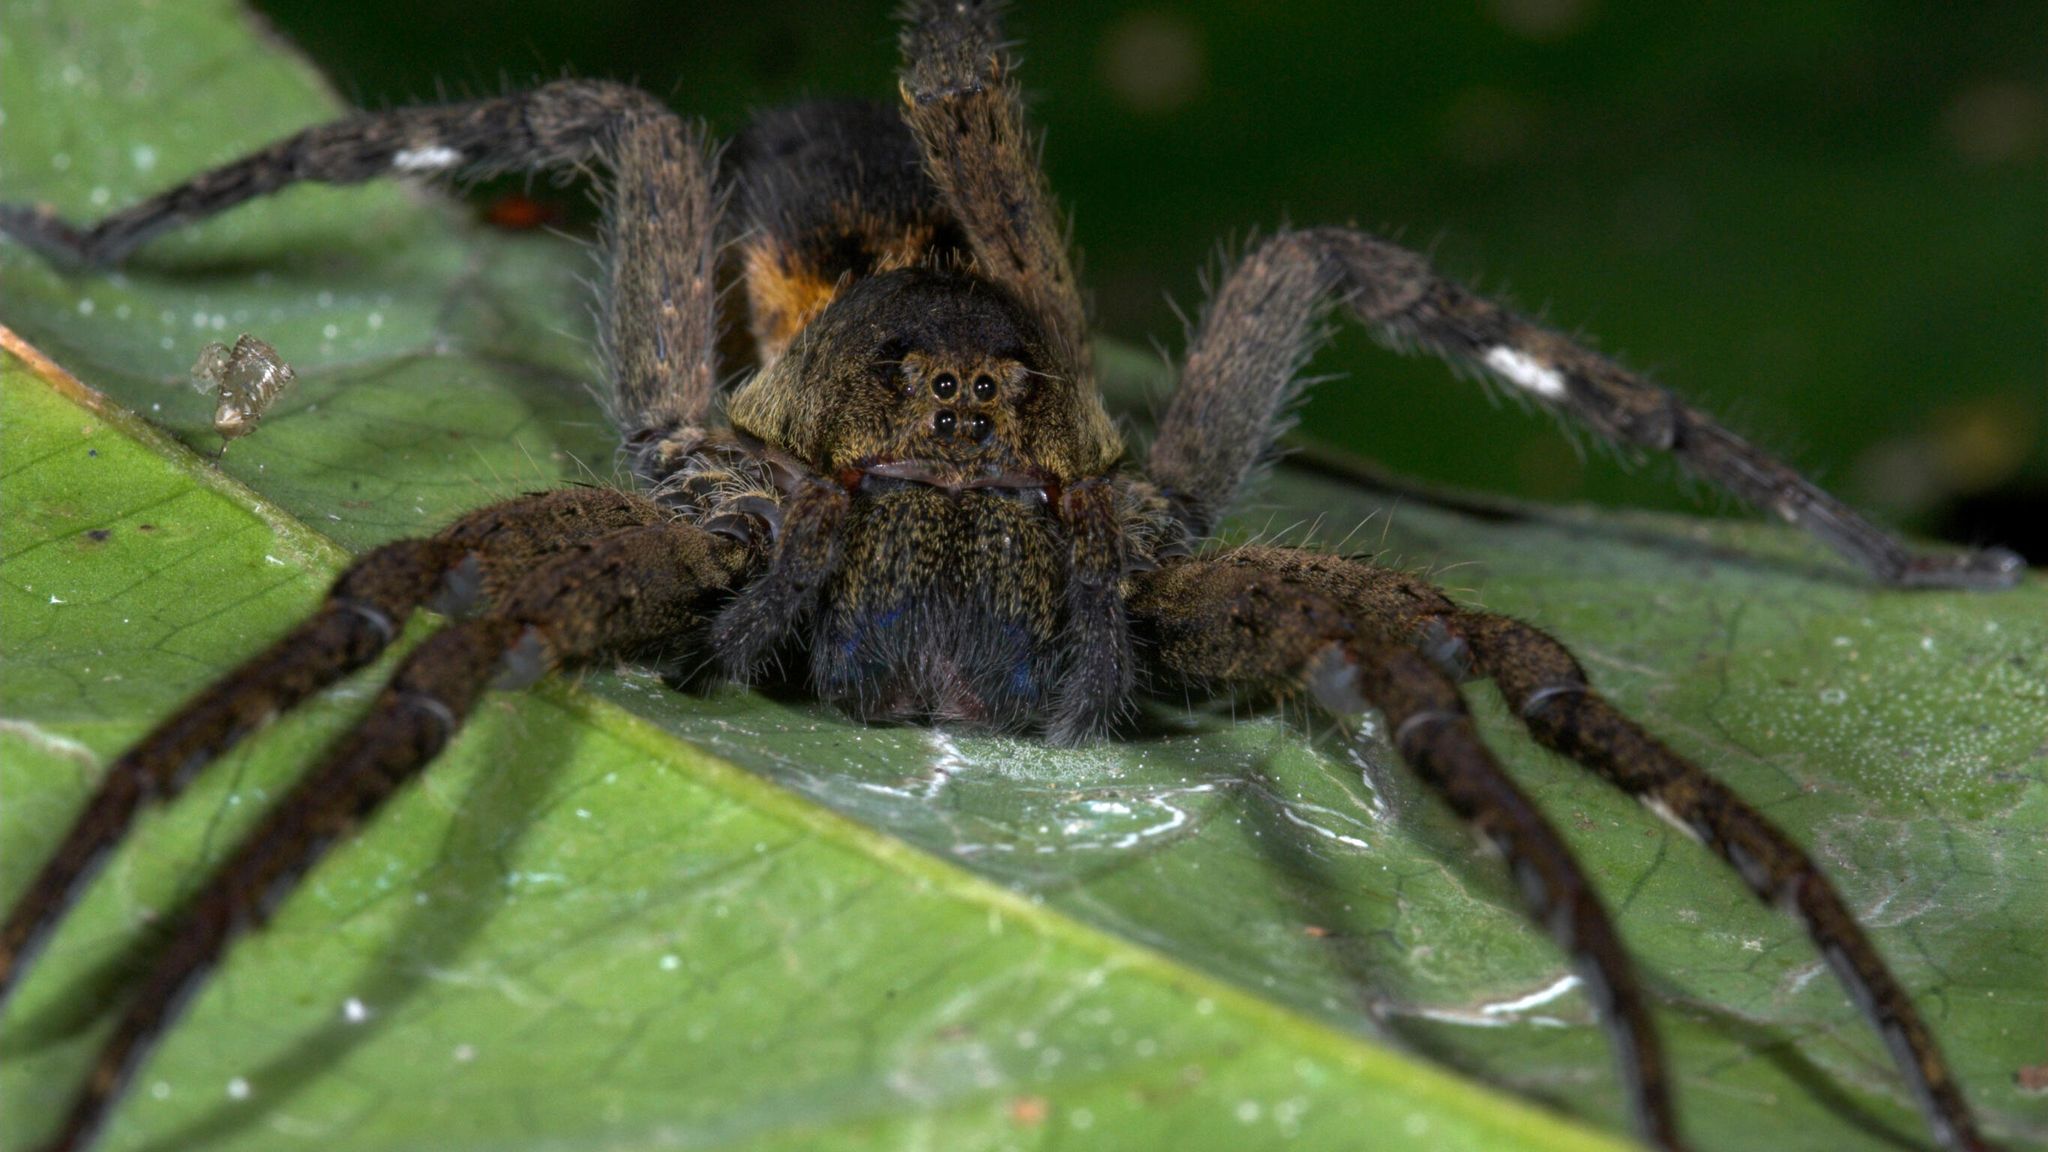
pixel 618 917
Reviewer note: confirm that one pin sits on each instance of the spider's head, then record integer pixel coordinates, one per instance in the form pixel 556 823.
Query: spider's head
pixel 929 375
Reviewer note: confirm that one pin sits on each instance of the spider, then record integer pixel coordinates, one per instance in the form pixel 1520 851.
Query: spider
pixel 916 497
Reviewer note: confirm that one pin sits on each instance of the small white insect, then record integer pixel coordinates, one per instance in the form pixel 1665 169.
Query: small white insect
pixel 246 379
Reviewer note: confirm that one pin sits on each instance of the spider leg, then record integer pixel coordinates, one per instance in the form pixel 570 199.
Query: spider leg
pixel 660 302
pixel 1546 687
pixel 1240 372
pixel 618 593
pixel 1099 673
pixel 1258 619
pixel 967 112
pixel 808 543
pixel 365 610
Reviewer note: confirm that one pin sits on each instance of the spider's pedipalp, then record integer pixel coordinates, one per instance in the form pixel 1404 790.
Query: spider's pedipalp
pixel 1548 690
pixel 1097 681
pixel 631 587
pixel 1241 373
pixel 1273 620
pixel 807 549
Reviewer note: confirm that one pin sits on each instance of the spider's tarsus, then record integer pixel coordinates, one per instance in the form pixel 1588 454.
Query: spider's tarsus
pixel 1984 570
pixel 40 229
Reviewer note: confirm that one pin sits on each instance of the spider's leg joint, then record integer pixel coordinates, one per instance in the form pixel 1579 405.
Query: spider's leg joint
pixel 1333 681
pixel 1537 700
pixel 1420 722
pixel 525 662
pixel 377 618
pixel 1445 648
pixel 461 589
pixel 431 706
pixel 1663 811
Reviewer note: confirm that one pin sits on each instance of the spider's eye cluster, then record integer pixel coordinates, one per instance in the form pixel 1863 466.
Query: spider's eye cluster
pixel 959 396
pixel 977 427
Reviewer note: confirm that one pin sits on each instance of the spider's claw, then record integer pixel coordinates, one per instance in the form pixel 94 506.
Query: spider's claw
pixel 41 230
pixel 1983 569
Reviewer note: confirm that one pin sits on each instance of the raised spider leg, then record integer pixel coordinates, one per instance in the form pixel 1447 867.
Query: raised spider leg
pixel 1240 375
pixel 966 111
pixel 1255 619
pixel 620 592
pixel 1548 690
pixel 968 116
pixel 660 303
pixel 365 610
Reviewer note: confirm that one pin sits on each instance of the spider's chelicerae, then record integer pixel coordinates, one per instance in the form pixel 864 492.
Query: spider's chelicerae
pixel 914 493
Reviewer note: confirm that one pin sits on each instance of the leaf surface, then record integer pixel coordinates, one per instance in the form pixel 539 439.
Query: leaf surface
pixel 616 917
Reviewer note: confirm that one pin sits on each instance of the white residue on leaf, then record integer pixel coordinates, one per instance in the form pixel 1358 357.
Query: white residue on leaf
pixel 1294 816
pixel 49 742
pixel 1502 1013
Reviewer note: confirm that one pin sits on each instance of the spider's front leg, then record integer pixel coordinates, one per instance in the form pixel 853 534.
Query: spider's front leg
pixel 1241 374
pixel 963 104
pixel 364 612
pixel 660 309
pixel 1241 621
pixel 620 592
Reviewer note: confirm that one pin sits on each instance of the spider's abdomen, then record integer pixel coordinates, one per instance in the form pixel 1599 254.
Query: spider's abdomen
pixel 827 192
pixel 946 607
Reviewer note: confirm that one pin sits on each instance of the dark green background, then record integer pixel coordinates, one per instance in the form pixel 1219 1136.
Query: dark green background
pixel 1827 220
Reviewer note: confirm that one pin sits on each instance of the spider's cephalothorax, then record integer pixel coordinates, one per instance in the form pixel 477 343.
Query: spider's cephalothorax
pixel 940 435
pixel 915 498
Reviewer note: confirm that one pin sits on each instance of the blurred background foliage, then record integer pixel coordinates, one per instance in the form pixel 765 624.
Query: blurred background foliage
pixel 1826 220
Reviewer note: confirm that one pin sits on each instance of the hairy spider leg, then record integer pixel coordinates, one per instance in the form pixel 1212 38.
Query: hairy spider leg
pixel 1248 619
pixel 1547 689
pixel 1545 686
pixel 366 608
pixel 806 553
pixel 660 302
pixel 1242 372
pixel 615 594
pixel 966 110
pixel 1096 682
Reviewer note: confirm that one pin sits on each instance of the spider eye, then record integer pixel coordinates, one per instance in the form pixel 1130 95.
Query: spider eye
pixel 943 421
pixel 945 385
pixel 979 426
pixel 984 387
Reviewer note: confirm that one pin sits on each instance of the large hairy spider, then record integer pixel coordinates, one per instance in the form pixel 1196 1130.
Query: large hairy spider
pixel 915 497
